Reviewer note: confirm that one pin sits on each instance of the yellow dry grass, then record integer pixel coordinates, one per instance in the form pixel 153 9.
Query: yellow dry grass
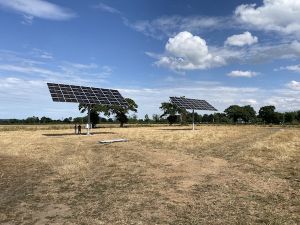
pixel 163 175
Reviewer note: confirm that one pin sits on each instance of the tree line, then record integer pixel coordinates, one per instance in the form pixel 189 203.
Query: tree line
pixel 232 115
pixel 171 114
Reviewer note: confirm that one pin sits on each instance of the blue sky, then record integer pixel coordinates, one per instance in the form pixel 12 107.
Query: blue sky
pixel 226 52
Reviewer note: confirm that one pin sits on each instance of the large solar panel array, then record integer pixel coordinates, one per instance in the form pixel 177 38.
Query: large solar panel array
pixel 85 95
pixel 196 104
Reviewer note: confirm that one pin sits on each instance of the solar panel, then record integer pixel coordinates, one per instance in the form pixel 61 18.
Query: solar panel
pixel 196 104
pixel 85 95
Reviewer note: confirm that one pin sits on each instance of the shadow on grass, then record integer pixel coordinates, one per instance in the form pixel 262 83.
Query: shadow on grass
pixel 73 134
pixel 175 129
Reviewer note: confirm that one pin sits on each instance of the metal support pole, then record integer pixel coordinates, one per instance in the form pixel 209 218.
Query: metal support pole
pixel 89 120
pixel 193 121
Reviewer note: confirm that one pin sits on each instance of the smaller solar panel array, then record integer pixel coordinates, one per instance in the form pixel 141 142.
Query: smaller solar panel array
pixel 196 104
pixel 85 95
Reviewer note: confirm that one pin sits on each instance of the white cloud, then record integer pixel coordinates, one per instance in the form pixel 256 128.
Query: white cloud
pixel 106 8
pixel 219 95
pixel 83 66
pixel 38 53
pixel 274 15
pixel 13 65
pixel 282 16
pixel 293 68
pixel 239 73
pixel 180 56
pixel 14 89
pixel 188 52
pixel 241 39
pixel 260 53
pixel 249 101
pixel 167 26
pixel 28 19
pixel 37 8
pixel 27 69
pixel 294 85
pixel 31 98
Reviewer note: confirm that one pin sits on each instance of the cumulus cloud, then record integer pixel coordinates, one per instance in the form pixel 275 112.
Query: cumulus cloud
pixel 37 8
pixel 188 52
pixel 241 39
pixel 274 15
pixel 294 85
pixel 239 73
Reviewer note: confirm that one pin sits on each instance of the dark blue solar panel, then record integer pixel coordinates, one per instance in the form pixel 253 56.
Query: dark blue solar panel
pixel 85 95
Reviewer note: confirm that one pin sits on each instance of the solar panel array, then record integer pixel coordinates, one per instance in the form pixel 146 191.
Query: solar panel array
pixel 187 103
pixel 85 95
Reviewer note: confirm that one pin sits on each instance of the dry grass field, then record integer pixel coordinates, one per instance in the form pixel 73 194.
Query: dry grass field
pixel 163 175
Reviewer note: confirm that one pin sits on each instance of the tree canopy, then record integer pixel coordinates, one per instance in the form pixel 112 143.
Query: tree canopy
pixel 171 110
pixel 268 114
pixel 246 113
pixel 118 111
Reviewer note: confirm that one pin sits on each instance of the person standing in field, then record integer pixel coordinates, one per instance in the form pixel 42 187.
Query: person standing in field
pixel 79 129
pixel 75 128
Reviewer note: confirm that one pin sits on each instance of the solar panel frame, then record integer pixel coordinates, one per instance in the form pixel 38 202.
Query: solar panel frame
pixel 85 95
pixel 194 104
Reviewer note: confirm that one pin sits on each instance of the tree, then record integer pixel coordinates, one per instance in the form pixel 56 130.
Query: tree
pixel 147 120
pixel 220 118
pixel 94 113
pixel 45 120
pixel 133 118
pixel 172 119
pixel 32 120
pixel 155 118
pixel 67 120
pixel 249 114
pixel 268 115
pixel 205 118
pixel 290 117
pixel 210 118
pixel 234 112
pixel 170 109
pixel 245 113
pixel 103 120
pixel 121 112
pixel 298 116
pixel 94 118
pixel 197 118
pixel 79 120
pixel 118 111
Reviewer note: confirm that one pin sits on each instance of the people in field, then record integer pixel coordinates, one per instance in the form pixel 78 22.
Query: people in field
pixel 75 128
pixel 79 129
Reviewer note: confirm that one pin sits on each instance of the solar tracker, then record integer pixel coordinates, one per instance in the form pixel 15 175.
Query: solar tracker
pixel 195 104
pixel 85 95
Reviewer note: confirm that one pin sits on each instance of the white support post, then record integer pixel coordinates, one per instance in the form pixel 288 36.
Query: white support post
pixel 89 120
pixel 193 121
